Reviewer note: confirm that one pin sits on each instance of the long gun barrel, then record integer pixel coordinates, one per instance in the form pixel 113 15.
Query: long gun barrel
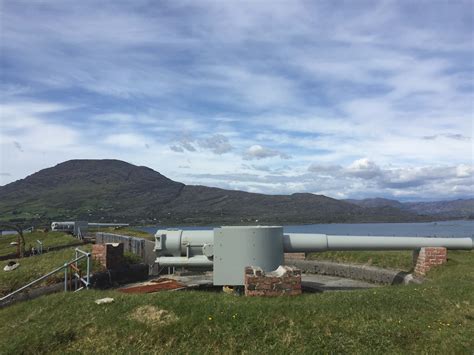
pixel 305 242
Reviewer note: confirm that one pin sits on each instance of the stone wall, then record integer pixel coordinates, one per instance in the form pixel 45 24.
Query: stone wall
pixel 109 255
pixel 285 280
pixel 138 246
pixel 352 271
pixel 427 258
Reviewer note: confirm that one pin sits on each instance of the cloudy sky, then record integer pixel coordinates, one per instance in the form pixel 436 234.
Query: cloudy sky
pixel 348 99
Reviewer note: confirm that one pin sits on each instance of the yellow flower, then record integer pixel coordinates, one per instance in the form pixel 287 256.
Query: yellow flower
pixel 210 318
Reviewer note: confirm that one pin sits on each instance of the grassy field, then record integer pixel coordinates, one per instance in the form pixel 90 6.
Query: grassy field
pixel 400 260
pixel 49 239
pixel 35 266
pixel 127 231
pixel 435 317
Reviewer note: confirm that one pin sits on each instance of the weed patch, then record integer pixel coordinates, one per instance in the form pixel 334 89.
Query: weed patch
pixel 153 316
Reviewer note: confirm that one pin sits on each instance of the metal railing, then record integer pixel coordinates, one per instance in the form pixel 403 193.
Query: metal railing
pixel 76 272
pixel 79 234
pixel 40 246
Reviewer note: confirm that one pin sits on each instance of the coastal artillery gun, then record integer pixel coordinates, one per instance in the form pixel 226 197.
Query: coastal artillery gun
pixel 228 250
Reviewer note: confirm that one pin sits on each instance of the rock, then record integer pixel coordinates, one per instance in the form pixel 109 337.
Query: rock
pixel 104 300
pixel 12 265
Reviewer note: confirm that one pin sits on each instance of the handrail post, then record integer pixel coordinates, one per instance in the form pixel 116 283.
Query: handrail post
pixel 65 276
pixel 88 268
pixel 75 264
pixel 40 246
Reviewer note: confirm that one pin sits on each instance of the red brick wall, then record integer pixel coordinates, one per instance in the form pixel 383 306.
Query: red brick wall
pixel 285 280
pixel 109 255
pixel 428 258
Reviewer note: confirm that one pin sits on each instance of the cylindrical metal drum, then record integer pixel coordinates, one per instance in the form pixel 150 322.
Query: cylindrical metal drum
pixel 238 247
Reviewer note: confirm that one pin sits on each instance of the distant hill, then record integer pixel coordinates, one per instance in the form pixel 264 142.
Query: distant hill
pixel 88 189
pixel 377 203
pixel 114 190
pixel 462 208
pixel 457 208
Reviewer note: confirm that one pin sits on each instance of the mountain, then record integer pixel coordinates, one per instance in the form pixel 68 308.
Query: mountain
pixel 88 188
pixel 376 203
pixel 462 208
pixel 114 190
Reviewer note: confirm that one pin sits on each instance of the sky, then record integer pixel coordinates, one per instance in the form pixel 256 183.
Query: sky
pixel 350 99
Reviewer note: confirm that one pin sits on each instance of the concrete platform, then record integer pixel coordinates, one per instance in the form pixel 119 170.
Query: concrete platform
pixel 309 282
pixel 323 283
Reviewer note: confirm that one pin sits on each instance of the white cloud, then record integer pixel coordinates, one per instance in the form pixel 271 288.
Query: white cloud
pixel 176 148
pixel 364 168
pixel 464 171
pixel 217 143
pixel 185 143
pixel 326 83
pixel 258 152
pixel 127 140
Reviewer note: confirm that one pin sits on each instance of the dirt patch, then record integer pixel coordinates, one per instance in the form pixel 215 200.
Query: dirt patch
pixel 153 316
pixel 162 284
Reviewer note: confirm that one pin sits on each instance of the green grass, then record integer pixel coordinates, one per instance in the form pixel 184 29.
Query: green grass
pixel 401 260
pixel 435 317
pixel 127 231
pixel 33 267
pixel 49 239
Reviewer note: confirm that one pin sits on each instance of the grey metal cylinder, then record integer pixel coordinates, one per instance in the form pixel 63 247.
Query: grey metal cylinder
pixel 303 242
pixel 178 261
pixel 340 242
pixel 178 242
pixel 238 247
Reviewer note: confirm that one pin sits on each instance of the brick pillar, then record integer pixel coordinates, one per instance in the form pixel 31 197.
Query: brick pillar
pixel 428 258
pixel 109 255
pixel 285 280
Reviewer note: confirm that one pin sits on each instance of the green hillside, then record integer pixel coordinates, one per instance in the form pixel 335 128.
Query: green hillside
pixel 113 190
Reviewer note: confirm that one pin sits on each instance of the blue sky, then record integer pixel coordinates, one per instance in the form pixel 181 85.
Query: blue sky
pixel 348 99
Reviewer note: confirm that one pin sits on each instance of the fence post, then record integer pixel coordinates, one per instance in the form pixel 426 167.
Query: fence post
pixel 65 276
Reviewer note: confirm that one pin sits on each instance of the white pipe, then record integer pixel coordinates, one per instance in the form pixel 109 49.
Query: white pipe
pixel 339 242
pixel 195 261
pixel 108 224
pixel 304 242
pixel 298 242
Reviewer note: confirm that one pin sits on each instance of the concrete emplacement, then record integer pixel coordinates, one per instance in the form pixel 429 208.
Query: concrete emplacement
pixel 228 250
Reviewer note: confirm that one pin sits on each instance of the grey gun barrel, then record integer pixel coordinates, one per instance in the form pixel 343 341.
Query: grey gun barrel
pixel 305 242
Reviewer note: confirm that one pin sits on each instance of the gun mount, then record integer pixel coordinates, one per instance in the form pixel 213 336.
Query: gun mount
pixel 228 250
